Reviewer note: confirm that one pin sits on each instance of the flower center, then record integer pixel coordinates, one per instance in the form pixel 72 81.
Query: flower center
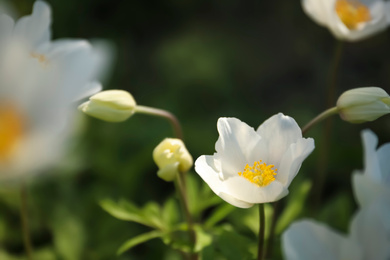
pixel 11 129
pixel 40 57
pixel 259 174
pixel 352 13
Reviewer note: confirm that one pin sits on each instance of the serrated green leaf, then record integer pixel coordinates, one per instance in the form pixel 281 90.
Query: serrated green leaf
pixel 139 240
pixel 153 213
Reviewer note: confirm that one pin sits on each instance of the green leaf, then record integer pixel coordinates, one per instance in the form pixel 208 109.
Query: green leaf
pixel 200 196
pixel 69 235
pixel 170 213
pixel 296 203
pixel 234 246
pixel 126 211
pixel 219 214
pixel 139 240
pixel 203 239
pixel 153 213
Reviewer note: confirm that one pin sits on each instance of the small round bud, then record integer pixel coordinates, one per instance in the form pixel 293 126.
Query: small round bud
pixel 171 157
pixel 110 105
pixel 363 104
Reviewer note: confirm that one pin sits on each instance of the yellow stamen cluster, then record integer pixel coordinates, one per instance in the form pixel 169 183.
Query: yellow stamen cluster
pixel 11 129
pixel 352 13
pixel 259 174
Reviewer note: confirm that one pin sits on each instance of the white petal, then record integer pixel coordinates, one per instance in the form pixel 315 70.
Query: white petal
pixel 371 163
pixel 35 29
pixel 377 23
pixel 310 240
pixel 244 190
pixel 292 160
pixel 383 155
pixel 235 202
pixel 280 131
pixel 206 168
pixel 371 229
pixel 318 10
pixel 88 90
pixel 367 190
pixel 236 142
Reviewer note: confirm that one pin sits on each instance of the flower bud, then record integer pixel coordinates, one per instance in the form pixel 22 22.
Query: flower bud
pixel 363 104
pixel 171 157
pixel 110 105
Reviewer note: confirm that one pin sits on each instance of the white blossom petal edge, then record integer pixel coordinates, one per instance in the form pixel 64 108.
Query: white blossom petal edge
pixel 374 181
pixel 251 167
pixel 39 81
pixel 349 20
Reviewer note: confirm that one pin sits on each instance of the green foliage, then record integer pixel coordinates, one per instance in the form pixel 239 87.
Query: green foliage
pixel 138 240
pixel 295 205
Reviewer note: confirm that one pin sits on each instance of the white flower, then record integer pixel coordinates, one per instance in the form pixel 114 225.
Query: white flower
pixel 251 166
pixel 171 157
pixel 39 81
pixel 309 240
pixel 363 104
pixel 110 105
pixel 369 237
pixel 374 181
pixel 349 20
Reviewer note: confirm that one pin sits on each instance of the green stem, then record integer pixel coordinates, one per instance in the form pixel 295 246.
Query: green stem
pixel 162 113
pixel 184 201
pixel 271 238
pixel 320 177
pixel 327 113
pixel 24 222
pixel 260 249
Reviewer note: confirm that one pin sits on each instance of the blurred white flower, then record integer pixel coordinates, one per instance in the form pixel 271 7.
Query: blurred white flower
pixel 374 181
pixel 308 240
pixel 171 157
pixel 349 20
pixel 39 81
pixel 110 105
pixel 251 166
pixel 369 237
pixel 360 105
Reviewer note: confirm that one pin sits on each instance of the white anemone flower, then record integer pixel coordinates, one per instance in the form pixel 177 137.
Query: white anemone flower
pixel 251 167
pixel 39 81
pixel 374 181
pixel 369 237
pixel 349 20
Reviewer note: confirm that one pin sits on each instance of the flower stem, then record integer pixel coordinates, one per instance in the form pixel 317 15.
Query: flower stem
pixel 180 181
pixel 271 238
pixel 24 222
pixel 320 117
pixel 184 201
pixel 260 249
pixel 162 113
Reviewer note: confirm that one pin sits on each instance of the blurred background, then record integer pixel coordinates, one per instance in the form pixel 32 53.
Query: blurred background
pixel 201 60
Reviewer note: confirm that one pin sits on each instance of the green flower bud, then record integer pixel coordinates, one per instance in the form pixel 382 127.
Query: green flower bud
pixel 110 105
pixel 363 104
pixel 171 157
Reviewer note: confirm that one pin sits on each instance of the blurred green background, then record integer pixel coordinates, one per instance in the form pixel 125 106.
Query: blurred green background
pixel 200 60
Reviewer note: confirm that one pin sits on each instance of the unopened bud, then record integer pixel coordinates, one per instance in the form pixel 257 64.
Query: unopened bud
pixel 363 104
pixel 171 157
pixel 110 105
